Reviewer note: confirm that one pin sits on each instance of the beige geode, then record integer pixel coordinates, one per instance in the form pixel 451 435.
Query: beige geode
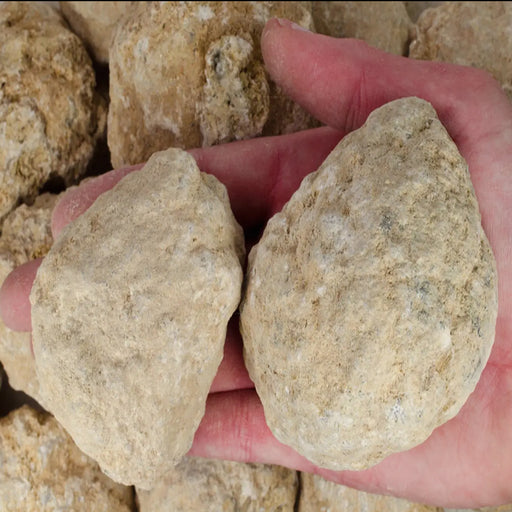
pixel 213 87
pixel 384 25
pixel 319 495
pixel 215 485
pixel 50 115
pixel 42 470
pixel 129 316
pixel 371 299
pixel 473 34
pixel 94 23
pixel 26 235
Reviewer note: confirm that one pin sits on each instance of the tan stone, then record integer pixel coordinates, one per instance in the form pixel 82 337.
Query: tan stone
pixel 26 235
pixel 319 495
pixel 371 299
pixel 213 87
pixel 129 316
pixel 94 23
pixel 50 116
pixel 473 34
pixel 414 9
pixel 42 470
pixel 216 485
pixel 384 25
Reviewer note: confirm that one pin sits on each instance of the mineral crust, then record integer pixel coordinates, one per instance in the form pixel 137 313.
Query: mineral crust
pixel 42 470
pixel 129 316
pixel 371 299
pixel 215 485
pixel 468 33
pixel 213 87
pixel 50 115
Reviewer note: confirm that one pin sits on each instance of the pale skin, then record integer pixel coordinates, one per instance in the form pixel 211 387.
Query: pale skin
pixel 466 462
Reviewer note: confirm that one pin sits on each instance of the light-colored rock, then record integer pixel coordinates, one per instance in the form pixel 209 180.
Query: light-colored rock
pixel 473 34
pixel 371 299
pixel 94 23
pixel 216 485
pixel 384 25
pixel 26 235
pixel 213 87
pixel 129 316
pixel 42 470
pixel 50 115
pixel 414 9
pixel 319 495
pixel 501 508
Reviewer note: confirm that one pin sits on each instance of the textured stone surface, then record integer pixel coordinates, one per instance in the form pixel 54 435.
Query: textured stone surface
pixel 501 508
pixel 26 235
pixel 50 116
pixel 213 87
pixel 215 485
pixel 371 299
pixel 414 9
pixel 319 495
pixel 384 25
pixel 94 23
pixel 129 316
pixel 42 470
pixel 473 34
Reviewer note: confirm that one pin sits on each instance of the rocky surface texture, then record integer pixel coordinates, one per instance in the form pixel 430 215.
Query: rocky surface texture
pixel 371 299
pixel 129 316
pixel 94 23
pixel 215 485
pixel 414 9
pixel 50 116
pixel 213 87
pixel 26 235
pixel 319 495
pixel 42 470
pixel 468 33
pixel 384 25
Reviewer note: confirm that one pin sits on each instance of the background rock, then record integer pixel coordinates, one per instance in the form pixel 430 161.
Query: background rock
pixel 50 116
pixel 42 470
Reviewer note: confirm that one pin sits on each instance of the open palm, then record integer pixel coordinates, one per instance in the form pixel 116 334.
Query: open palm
pixel 467 461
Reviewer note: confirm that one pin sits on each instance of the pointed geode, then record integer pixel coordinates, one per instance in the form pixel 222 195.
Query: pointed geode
pixel 129 316
pixel 371 299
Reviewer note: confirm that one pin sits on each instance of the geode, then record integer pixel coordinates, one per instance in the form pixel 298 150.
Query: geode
pixel 129 316
pixel 371 299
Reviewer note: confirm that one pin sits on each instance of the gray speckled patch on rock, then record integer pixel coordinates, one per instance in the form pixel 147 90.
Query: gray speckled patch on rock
pixel 216 485
pixel 371 299
pixel 129 316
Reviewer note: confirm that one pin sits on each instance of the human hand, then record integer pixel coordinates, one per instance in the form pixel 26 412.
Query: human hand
pixel 466 462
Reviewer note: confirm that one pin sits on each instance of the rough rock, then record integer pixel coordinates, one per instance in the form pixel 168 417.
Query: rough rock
pixel 468 33
pixel 42 470
pixel 384 25
pixel 215 485
pixel 50 116
pixel 213 87
pixel 371 298
pixel 94 23
pixel 144 292
pixel 414 9
pixel 26 235
pixel 320 495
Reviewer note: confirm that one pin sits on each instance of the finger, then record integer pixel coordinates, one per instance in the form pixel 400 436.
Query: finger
pixel 232 373
pixel 340 81
pixel 441 471
pixel 14 296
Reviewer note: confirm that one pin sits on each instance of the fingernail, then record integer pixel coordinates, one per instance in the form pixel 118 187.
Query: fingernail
pixel 283 22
